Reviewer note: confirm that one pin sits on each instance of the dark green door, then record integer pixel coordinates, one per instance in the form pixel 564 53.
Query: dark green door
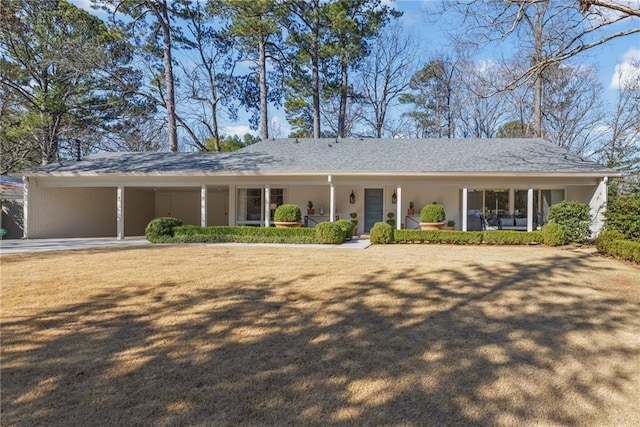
pixel 373 207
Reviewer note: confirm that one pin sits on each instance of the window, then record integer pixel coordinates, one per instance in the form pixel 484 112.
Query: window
pixel 250 203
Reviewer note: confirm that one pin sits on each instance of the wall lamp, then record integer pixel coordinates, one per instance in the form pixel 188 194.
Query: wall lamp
pixel 394 198
pixel 352 198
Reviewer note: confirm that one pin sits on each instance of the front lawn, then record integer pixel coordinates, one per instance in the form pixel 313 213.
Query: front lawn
pixel 392 335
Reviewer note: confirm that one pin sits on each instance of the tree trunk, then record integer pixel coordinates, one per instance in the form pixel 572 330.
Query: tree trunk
pixel 342 113
pixel 170 101
pixel 315 77
pixel 537 60
pixel 264 114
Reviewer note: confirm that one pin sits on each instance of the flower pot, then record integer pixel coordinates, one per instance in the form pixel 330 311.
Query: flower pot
pixel 310 211
pixel 432 225
pixel 287 224
pixel 411 211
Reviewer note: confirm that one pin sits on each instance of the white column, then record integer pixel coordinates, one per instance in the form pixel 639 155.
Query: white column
pixel 267 206
pixel 530 209
pixel 465 203
pixel 232 205
pixel 25 207
pixel 203 205
pixel 332 201
pixel 399 207
pixel 512 201
pixel 120 212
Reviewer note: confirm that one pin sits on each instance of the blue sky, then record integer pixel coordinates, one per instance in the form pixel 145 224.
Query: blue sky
pixel 608 59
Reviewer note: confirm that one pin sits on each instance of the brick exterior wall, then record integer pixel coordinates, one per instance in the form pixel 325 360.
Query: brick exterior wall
pixel 71 212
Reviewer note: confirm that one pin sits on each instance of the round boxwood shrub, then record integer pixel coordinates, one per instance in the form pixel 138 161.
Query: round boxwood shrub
pixel 622 214
pixel 381 233
pixel 287 213
pixel 432 213
pixel 329 233
pixel 161 227
pixel 606 238
pixel 574 217
pixel 347 227
pixel 553 234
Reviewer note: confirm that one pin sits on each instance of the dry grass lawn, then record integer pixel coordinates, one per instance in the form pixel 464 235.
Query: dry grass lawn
pixel 401 335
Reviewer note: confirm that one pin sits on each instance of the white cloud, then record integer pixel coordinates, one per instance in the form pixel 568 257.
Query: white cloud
pixel 628 69
pixel 240 130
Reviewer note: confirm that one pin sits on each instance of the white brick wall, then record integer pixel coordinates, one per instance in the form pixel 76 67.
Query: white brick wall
pixel 71 212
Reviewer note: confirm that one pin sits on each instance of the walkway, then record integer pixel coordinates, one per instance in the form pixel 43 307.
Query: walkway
pixel 14 246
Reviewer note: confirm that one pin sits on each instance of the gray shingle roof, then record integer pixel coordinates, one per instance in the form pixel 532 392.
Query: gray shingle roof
pixel 347 156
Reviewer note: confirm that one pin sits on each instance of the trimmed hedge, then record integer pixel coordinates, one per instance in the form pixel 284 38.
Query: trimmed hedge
pixel 161 228
pixel 432 213
pixel 625 249
pixel 606 238
pixel 347 227
pixel 381 233
pixel 287 213
pixel 511 237
pixel 244 234
pixel 329 233
pixel 437 236
pixel 553 234
pixel 574 217
pixel 623 215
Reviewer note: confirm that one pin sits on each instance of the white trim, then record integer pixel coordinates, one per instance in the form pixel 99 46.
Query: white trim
pixel 25 207
pixel 417 174
pixel 399 207
pixel 120 212
pixel 530 209
pixel 465 207
pixel 267 205
pixel 204 201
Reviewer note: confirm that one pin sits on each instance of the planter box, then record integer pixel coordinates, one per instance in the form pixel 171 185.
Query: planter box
pixel 287 224
pixel 432 225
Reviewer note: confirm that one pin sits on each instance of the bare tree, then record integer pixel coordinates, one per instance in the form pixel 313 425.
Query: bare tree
pixel 386 74
pixel 620 144
pixel 571 107
pixel 546 32
pixel 625 9
pixel 481 109
pixel 209 77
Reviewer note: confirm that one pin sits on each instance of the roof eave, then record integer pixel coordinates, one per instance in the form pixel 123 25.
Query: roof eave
pixel 481 174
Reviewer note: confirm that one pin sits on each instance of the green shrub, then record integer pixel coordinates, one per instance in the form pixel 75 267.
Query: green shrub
pixel 574 217
pixel 623 215
pixel 511 237
pixel 347 227
pixel 287 213
pixel 161 227
pixel 553 234
pixel 381 233
pixel 245 234
pixel 606 238
pixel 329 233
pixel 437 236
pixel 432 213
pixel 625 249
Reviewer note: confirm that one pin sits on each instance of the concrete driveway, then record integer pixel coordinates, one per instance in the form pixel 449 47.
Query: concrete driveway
pixel 39 245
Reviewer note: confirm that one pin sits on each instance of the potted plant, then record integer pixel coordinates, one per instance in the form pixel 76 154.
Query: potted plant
pixel 390 220
pixel 310 209
pixel 451 225
pixel 432 217
pixel 411 210
pixel 287 215
pixel 354 220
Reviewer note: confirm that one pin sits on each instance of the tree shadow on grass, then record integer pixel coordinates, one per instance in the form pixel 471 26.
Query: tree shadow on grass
pixel 485 347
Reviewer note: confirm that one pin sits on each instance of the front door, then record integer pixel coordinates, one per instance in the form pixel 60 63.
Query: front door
pixel 373 207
